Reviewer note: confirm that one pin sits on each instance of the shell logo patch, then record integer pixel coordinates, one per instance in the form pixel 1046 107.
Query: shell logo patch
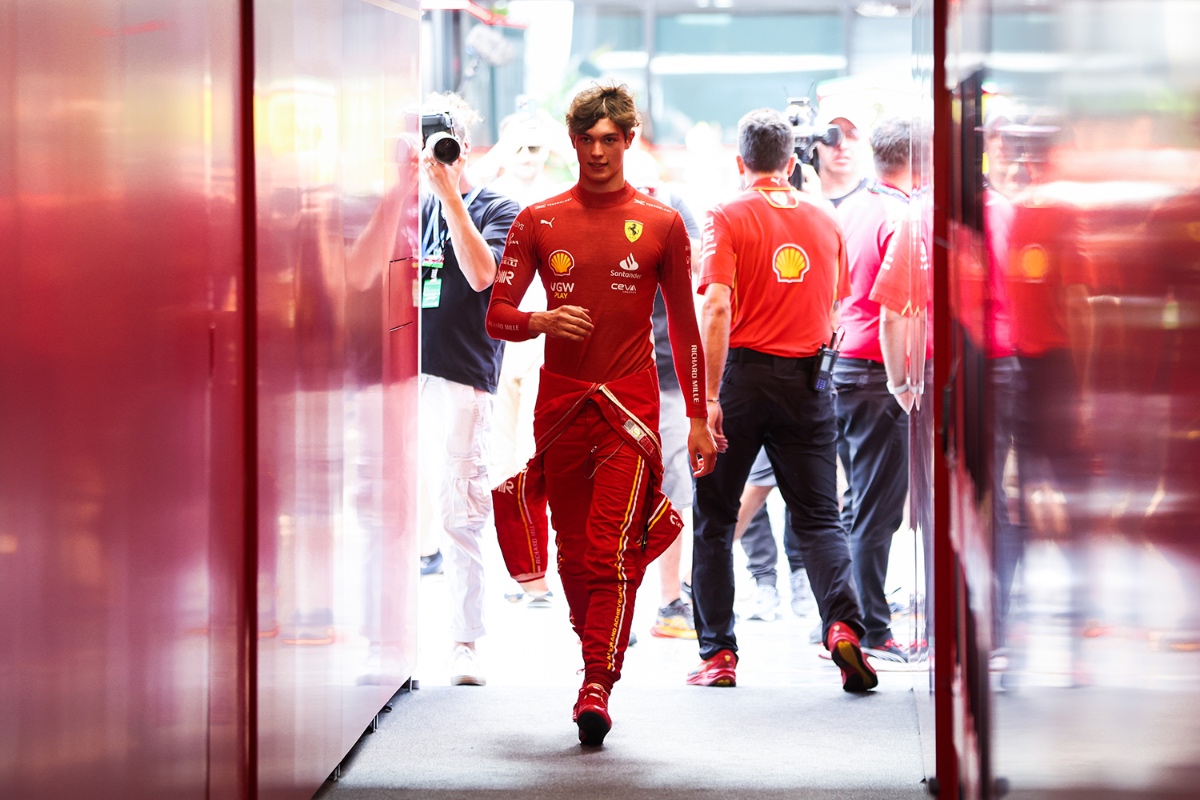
pixel 633 230
pixel 561 262
pixel 790 263
pixel 1034 264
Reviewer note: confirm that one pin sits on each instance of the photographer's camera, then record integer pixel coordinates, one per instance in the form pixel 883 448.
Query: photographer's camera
pixel 437 132
pixel 805 136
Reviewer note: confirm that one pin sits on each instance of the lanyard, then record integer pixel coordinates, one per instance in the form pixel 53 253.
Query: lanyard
pixel 879 187
pixel 433 239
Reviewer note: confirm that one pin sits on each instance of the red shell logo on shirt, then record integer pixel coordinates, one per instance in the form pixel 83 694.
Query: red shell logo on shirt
pixel 790 263
pixel 561 262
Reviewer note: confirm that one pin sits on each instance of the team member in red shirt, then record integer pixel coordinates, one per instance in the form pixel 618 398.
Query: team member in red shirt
pixel 774 270
pixel 872 428
pixel 602 250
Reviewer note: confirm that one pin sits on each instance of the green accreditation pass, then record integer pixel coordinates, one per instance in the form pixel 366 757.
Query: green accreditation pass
pixel 431 287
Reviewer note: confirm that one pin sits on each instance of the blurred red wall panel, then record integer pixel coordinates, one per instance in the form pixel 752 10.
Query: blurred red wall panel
pixel 142 657
pixel 336 554
pixel 121 473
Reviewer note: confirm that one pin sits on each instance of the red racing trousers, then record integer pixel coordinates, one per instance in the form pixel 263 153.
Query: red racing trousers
pixel 596 487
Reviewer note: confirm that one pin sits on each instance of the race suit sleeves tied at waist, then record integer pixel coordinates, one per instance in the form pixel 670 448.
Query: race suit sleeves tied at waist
pixel 630 405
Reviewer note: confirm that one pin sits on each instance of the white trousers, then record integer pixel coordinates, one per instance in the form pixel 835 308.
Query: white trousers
pixel 516 396
pixel 455 425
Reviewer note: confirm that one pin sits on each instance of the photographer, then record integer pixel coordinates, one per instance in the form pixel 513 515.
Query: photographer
pixel 839 164
pixel 786 255
pixel 463 230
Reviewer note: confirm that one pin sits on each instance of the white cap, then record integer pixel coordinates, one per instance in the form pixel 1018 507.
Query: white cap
pixel 828 112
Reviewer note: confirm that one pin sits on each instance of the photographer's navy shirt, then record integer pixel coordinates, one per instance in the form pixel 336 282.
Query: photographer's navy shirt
pixel 454 343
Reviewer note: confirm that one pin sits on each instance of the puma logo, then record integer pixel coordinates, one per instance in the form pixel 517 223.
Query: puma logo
pixel 549 222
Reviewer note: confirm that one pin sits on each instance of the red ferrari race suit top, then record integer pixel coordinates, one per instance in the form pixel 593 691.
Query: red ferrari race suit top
pixel 608 253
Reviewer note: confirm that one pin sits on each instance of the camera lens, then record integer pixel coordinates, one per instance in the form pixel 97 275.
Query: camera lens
pixel 446 148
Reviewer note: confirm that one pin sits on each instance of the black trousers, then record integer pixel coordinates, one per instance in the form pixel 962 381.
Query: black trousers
pixel 1008 534
pixel 767 402
pixel 873 443
pixel 762 552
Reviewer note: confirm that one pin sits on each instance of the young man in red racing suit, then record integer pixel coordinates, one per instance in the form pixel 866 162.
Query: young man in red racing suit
pixel 602 249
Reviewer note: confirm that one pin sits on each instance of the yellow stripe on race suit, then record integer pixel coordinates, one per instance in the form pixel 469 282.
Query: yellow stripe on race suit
pixel 631 507
pixel 525 516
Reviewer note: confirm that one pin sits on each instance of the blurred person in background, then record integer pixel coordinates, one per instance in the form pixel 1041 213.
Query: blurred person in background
pixel 986 288
pixel 519 164
pixel 674 618
pixel 463 229
pixel 603 250
pixel 757 535
pixel 1049 279
pixel 773 273
pixel 872 428
pixel 840 167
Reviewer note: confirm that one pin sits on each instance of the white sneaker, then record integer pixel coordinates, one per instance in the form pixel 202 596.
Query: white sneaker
pixel 803 602
pixel 464 667
pixel 531 599
pixel 763 604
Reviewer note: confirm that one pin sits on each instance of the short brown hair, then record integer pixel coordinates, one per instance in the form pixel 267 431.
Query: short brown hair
pixel 891 142
pixel 598 102
pixel 765 140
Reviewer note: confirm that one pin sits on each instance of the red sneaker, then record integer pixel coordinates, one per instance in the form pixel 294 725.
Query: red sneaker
pixel 857 674
pixel 591 715
pixel 715 671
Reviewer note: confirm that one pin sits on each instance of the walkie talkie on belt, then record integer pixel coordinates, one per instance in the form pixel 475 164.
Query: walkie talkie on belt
pixel 827 355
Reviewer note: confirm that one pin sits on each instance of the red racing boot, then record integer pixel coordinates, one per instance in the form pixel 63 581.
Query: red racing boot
pixel 857 674
pixel 718 670
pixel 591 715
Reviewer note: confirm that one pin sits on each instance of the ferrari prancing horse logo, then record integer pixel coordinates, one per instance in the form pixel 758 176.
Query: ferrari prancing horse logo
pixel 633 230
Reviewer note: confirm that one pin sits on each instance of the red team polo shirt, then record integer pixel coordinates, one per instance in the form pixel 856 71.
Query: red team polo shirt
pixel 784 257
pixel 609 253
pixel 869 219
pixel 1043 258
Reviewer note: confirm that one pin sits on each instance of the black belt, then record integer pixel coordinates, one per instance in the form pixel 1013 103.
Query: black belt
pixel 862 363
pixel 744 355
